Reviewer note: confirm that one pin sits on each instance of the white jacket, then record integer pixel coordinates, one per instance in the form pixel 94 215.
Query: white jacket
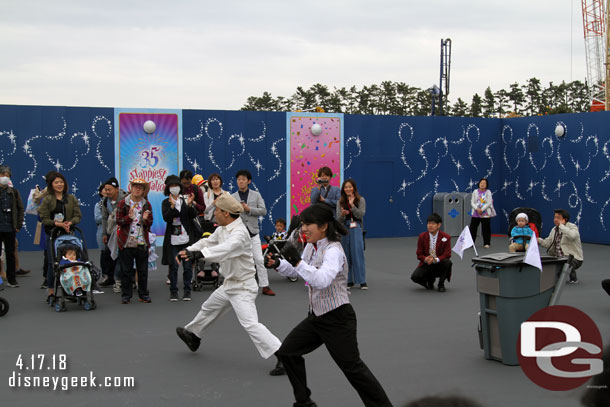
pixel 231 247
pixel 570 241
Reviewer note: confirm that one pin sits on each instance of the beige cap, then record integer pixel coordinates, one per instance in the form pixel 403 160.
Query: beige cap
pixel 227 203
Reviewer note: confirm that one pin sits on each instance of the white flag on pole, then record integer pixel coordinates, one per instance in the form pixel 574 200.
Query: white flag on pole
pixel 464 242
pixel 532 256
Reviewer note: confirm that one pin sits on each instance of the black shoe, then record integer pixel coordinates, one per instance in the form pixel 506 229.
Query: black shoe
pixel 44 286
pixel 308 403
pixel 22 272
pixel 108 282
pixel 430 285
pixel 191 340
pixel 13 284
pixel 441 288
pixel 278 370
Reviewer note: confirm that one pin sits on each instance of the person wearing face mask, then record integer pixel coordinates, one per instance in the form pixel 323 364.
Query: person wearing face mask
pixel 11 219
pixel 178 213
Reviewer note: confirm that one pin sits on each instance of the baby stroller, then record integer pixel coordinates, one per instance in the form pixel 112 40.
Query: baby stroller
pixel 274 246
pixel 199 282
pixel 534 222
pixel 3 303
pixel 81 269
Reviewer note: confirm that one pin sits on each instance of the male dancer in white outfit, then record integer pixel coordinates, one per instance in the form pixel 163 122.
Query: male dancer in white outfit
pixel 230 246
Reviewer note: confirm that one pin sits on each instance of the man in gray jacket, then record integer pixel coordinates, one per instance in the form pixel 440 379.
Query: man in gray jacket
pixel 254 206
pixel 564 240
pixel 113 195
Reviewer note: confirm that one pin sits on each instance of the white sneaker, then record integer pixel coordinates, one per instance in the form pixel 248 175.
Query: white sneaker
pixel 116 287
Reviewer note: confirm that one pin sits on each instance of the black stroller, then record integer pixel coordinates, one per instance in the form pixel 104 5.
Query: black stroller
pixel 534 222
pixel 199 282
pixel 4 306
pixel 59 245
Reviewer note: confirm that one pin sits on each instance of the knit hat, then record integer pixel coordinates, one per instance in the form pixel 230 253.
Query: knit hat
pixel 111 181
pixel 227 203
pixel 522 216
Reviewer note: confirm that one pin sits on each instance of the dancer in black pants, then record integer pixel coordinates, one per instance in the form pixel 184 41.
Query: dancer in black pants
pixel 331 320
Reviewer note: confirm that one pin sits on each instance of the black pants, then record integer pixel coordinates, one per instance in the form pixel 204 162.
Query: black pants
pixel 8 238
pixel 427 273
pixel 606 285
pixel 485 229
pixel 126 257
pixel 109 266
pixel 337 331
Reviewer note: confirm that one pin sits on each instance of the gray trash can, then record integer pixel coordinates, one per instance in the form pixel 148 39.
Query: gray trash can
pixel 451 207
pixel 466 196
pixel 510 291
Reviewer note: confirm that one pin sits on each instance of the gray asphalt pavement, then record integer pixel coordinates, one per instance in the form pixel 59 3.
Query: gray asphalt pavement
pixel 416 342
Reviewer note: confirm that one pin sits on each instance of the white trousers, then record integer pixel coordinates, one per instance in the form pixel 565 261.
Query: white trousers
pixel 239 295
pixel 259 262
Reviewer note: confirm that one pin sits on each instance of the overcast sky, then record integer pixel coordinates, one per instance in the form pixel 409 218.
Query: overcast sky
pixel 200 54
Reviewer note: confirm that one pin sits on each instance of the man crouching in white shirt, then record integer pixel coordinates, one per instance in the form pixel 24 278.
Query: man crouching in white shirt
pixel 230 246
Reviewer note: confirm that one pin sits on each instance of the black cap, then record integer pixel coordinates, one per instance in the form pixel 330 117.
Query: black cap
pixel 111 181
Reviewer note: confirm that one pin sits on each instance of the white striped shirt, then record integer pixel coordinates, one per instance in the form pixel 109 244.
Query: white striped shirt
pixel 325 271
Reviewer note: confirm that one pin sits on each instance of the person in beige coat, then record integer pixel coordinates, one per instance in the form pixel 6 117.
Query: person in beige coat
pixel 564 240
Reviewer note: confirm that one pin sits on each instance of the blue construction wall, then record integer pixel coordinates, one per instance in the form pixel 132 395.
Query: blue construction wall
pixel 398 162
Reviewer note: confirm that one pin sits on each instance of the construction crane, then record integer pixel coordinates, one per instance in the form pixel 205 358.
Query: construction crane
pixel 594 21
pixel 441 92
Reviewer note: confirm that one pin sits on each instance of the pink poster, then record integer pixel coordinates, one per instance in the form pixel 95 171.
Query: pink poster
pixel 308 152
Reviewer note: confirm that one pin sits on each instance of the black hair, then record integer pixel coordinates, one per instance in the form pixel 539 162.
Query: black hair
pixel 325 171
pixel 321 214
pixel 5 168
pixel 435 218
pixel 214 175
pixel 564 214
pixel 52 178
pixel 343 201
pixel 245 173
pixel 234 215
pixel 64 249
pixel 186 174
pixel 486 181
pixel 100 189
pixel 295 223
pixel 281 220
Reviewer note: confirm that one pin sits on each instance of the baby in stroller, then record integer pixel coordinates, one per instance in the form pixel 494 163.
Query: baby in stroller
pixel 523 226
pixel 205 273
pixel 74 274
pixel 75 279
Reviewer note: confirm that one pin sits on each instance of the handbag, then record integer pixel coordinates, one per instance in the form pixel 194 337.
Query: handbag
pixel 33 204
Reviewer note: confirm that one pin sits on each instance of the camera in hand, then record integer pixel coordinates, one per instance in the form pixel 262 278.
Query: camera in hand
pixel 321 181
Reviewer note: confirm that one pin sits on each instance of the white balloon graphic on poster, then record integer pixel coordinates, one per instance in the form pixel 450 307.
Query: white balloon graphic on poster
pixel 149 126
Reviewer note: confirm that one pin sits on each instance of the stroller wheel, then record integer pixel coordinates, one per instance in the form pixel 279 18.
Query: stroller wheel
pixel 58 307
pixel 88 306
pixel 293 279
pixel 4 307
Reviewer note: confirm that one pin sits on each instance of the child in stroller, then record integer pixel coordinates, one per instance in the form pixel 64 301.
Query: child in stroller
pixel 74 274
pixel 278 240
pixel 205 273
pixel 524 224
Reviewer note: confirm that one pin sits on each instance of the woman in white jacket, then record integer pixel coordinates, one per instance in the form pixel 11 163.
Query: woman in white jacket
pixel 482 211
pixel 210 196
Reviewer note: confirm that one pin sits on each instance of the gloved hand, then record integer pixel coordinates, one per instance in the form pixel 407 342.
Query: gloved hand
pixel 272 261
pixel 291 254
pixel 267 238
pixel 194 256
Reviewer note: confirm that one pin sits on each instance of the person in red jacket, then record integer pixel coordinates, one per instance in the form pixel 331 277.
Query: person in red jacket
pixel 433 253
pixel 134 218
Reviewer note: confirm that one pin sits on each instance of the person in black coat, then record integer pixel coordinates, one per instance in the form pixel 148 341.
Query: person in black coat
pixel 178 212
